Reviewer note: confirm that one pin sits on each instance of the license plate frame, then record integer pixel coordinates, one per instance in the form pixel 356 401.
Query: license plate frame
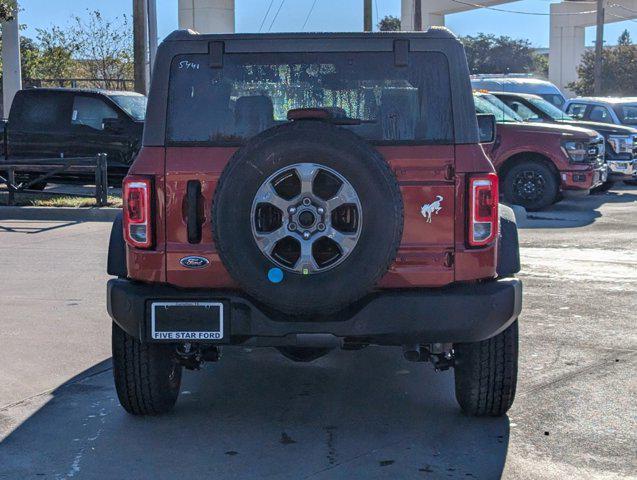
pixel 166 316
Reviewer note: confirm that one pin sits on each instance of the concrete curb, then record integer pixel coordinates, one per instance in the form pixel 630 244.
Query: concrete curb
pixel 105 214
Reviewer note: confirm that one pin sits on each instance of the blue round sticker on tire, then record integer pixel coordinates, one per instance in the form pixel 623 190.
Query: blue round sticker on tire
pixel 275 275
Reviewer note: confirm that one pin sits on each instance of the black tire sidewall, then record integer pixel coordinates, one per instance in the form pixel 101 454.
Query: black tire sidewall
pixel 550 192
pixel 147 376
pixel 369 175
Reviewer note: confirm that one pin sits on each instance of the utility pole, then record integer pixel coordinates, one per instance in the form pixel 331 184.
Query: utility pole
pixel 152 33
pixel 599 47
pixel 140 46
pixel 418 15
pixel 367 15
pixel 12 75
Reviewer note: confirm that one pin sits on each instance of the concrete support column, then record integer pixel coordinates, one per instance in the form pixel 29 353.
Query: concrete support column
pixel 207 16
pixel 12 73
pixel 407 15
pixel 432 19
pixel 429 17
pixel 568 21
pixel 567 48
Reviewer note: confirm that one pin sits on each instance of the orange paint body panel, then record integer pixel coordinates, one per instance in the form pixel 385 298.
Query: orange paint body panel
pixel 432 252
pixel 150 265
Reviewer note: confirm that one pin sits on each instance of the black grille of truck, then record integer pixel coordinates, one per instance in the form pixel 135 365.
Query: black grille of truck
pixel 595 151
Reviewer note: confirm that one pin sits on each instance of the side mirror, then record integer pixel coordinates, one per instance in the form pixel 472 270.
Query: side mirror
pixel 486 127
pixel 113 125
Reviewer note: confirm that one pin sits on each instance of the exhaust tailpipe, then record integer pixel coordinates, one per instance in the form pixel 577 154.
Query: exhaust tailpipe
pixel 411 352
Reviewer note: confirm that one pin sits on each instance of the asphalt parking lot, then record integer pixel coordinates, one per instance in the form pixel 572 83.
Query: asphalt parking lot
pixel 366 414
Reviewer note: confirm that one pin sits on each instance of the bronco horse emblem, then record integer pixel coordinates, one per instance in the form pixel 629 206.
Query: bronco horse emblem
pixel 428 209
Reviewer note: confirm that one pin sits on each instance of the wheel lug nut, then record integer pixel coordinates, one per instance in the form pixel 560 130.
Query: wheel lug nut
pixel 292 210
pixel 320 210
pixel 306 235
pixel 292 227
pixel 306 201
pixel 321 226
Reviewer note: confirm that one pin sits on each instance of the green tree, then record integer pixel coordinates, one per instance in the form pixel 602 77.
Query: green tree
pixel 619 70
pixel 91 48
pixel 104 48
pixel 7 10
pixel 53 57
pixel 389 23
pixel 29 55
pixel 491 54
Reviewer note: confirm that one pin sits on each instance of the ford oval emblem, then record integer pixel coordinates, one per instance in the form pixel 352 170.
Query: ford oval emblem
pixel 194 262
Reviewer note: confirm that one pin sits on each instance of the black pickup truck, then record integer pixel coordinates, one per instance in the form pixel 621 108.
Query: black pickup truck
pixel 48 123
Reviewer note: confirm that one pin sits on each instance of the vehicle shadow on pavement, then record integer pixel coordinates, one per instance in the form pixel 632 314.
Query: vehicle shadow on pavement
pixel 576 212
pixel 8 226
pixel 365 414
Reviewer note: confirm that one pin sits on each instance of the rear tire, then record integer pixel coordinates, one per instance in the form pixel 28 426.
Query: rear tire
pixel 531 184
pixel 147 375
pixel 486 374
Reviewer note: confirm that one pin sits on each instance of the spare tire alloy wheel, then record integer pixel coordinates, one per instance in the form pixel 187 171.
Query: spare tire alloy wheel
pixel 306 218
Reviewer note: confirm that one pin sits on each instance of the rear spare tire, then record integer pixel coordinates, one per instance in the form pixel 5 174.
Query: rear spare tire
pixel 307 217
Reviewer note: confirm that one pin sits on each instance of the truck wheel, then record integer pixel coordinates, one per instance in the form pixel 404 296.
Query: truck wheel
pixel 530 184
pixel 486 374
pixel 147 377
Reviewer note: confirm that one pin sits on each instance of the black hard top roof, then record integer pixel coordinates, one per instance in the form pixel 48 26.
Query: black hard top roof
pixel 190 35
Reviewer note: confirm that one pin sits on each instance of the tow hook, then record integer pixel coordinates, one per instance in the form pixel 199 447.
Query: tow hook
pixel 442 361
pixel 193 356
pixel 441 356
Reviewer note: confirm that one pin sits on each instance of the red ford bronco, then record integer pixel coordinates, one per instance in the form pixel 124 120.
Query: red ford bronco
pixel 537 161
pixel 309 192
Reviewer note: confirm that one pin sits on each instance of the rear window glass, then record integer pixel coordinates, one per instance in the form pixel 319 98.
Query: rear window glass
pixel 253 92
pixel 37 111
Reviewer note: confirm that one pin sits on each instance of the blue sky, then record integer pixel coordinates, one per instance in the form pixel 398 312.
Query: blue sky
pixel 328 15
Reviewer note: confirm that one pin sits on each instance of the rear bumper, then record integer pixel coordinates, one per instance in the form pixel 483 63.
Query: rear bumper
pixel 584 179
pixel 458 313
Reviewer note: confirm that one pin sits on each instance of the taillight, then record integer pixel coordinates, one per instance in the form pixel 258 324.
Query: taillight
pixel 138 230
pixel 483 209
